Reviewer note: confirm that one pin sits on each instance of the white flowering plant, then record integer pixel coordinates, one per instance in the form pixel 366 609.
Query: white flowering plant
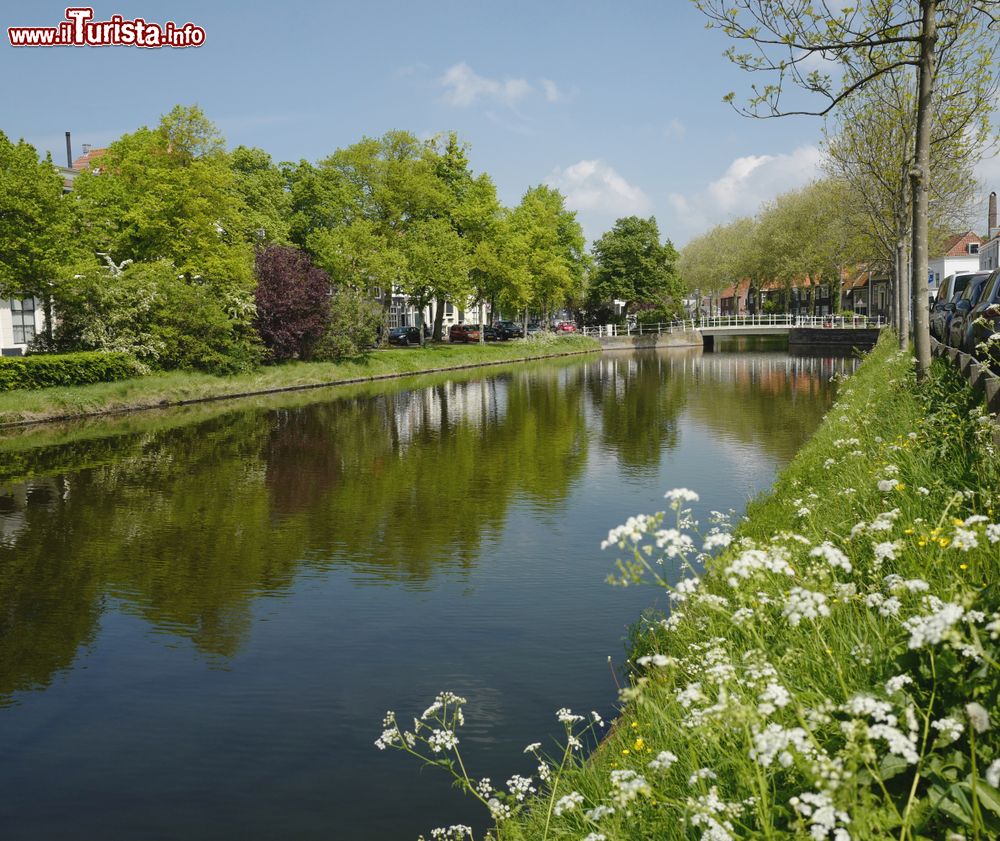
pixel 830 676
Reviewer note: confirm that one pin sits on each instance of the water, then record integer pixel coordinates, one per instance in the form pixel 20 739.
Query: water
pixel 204 612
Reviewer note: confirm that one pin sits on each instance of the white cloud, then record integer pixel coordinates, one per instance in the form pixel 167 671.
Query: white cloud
pixel 595 186
pixel 675 129
pixel 747 182
pixel 551 90
pixel 464 87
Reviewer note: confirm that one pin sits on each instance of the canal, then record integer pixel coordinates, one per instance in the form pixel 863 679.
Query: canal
pixel 205 611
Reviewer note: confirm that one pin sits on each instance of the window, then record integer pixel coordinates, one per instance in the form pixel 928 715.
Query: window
pixel 22 314
pixel 973 247
pixel 449 310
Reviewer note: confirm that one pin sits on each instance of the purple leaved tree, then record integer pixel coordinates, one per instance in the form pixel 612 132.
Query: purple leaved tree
pixel 293 302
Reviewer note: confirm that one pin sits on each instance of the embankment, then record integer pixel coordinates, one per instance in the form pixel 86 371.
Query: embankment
pixel 182 388
pixel 833 672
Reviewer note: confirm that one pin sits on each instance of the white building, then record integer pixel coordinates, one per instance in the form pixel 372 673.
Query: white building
pixel 961 254
pixel 989 251
pixel 20 321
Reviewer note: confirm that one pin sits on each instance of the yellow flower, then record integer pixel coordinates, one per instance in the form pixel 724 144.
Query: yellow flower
pixel 907 531
pixel 639 744
pixel 634 724
pixel 921 542
pixel 963 566
pixel 625 752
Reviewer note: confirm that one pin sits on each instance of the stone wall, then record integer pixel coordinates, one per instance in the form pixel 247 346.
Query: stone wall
pixel 682 338
pixel 981 378
pixel 862 338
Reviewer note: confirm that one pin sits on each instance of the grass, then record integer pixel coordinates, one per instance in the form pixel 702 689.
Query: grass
pixel 177 387
pixel 831 673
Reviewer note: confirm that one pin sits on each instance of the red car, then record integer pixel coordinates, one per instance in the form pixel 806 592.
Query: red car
pixel 566 327
pixel 463 333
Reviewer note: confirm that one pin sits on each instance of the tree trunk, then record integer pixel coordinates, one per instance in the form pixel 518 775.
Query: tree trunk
pixel 525 322
pixel 438 318
pixel 920 188
pixel 482 322
pixel 420 324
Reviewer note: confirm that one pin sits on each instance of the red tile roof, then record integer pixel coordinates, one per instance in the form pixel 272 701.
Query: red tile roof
pixel 957 244
pixel 86 160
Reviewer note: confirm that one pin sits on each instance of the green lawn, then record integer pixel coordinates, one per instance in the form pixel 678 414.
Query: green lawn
pixel 182 387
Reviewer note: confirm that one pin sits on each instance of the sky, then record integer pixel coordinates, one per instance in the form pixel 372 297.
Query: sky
pixel 618 104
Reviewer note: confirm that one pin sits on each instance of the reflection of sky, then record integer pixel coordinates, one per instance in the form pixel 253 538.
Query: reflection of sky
pixel 147 737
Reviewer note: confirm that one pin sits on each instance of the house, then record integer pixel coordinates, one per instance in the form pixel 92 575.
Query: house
pixel 734 300
pixel 21 319
pixel 960 254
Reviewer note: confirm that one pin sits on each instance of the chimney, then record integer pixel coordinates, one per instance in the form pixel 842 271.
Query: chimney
pixel 991 223
pixel 69 153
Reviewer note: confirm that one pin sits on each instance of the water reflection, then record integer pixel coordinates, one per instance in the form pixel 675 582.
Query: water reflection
pixel 472 502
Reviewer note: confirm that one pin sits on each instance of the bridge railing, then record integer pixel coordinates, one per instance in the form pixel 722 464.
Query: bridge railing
pixel 762 321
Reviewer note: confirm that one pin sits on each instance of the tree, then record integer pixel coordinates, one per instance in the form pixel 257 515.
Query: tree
pixel 260 186
pixel 293 302
pixel 863 42
pixel 554 241
pixel 367 199
pixel 170 193
pixel 632 265
pixel 356 322
pixel 35 244
pixel 437 265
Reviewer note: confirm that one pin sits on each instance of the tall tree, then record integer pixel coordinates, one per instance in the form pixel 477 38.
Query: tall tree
pixel 35 244
pixel 260 186
pixel 860 43
pixel 631 264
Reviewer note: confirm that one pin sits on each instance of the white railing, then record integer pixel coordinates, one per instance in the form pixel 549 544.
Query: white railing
pixel 739 322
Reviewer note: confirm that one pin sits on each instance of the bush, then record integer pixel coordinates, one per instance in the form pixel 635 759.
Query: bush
pixel 356 322
pixel 159 317
pixel 292 302
pixel 44 371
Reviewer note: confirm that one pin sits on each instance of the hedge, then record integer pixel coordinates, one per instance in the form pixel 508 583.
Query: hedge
pixel 46 370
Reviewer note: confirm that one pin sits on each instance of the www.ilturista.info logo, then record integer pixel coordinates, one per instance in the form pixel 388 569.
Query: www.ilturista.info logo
pixel 79 29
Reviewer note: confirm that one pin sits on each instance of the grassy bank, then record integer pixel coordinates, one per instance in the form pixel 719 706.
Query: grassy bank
pixel 185 387
pixel 832 672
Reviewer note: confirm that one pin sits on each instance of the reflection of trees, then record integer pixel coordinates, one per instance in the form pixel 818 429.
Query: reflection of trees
pixel 773 401
pixel 185 526
pixel 639 399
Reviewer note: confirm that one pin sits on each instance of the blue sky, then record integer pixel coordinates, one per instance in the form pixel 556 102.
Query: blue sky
pixel 619 104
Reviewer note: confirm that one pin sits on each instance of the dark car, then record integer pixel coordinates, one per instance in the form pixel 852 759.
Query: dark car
pixel 963 306
pixel 404 336
pixel 943 308
pixel 984 318
pixel 535 328
pixel 508 330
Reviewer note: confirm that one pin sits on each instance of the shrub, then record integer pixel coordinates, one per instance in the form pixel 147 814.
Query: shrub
pixel 292 302
pixel 159 317
pixel 355 323
pixel 44 371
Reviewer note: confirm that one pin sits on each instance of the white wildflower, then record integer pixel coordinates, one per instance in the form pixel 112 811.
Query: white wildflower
pixel 568 803
pixel 664 759
pixel 804 604
pixel 979 716
pixel 895 684
pixel 949 729
pixel 993 774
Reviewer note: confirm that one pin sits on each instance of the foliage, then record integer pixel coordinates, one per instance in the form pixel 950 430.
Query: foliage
pixel 632 265
pixel 260 186
pixel 355 324
pixel 157 315
pixel 827 670
pixel 65 369
pixel 292 298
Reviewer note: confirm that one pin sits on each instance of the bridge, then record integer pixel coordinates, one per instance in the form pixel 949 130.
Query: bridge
pixel 844 331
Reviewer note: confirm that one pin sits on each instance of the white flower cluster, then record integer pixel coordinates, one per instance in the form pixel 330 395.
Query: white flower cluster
pixel 627 785
pixel 753 561
pixel 804 604
pixel 568 802
pixel 824 820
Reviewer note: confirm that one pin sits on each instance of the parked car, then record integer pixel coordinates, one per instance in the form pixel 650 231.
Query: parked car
pixel 470 333
pixel 951 290
pixel 963 306
pixel 404 336
pixel 983 319
pixel 508 330
pixel 566 327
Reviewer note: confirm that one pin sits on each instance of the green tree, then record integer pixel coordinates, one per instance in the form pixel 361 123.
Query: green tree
pixel 556 263
pixel 632 265
pixel 260 186
pixel 863 41
pixel 35 246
